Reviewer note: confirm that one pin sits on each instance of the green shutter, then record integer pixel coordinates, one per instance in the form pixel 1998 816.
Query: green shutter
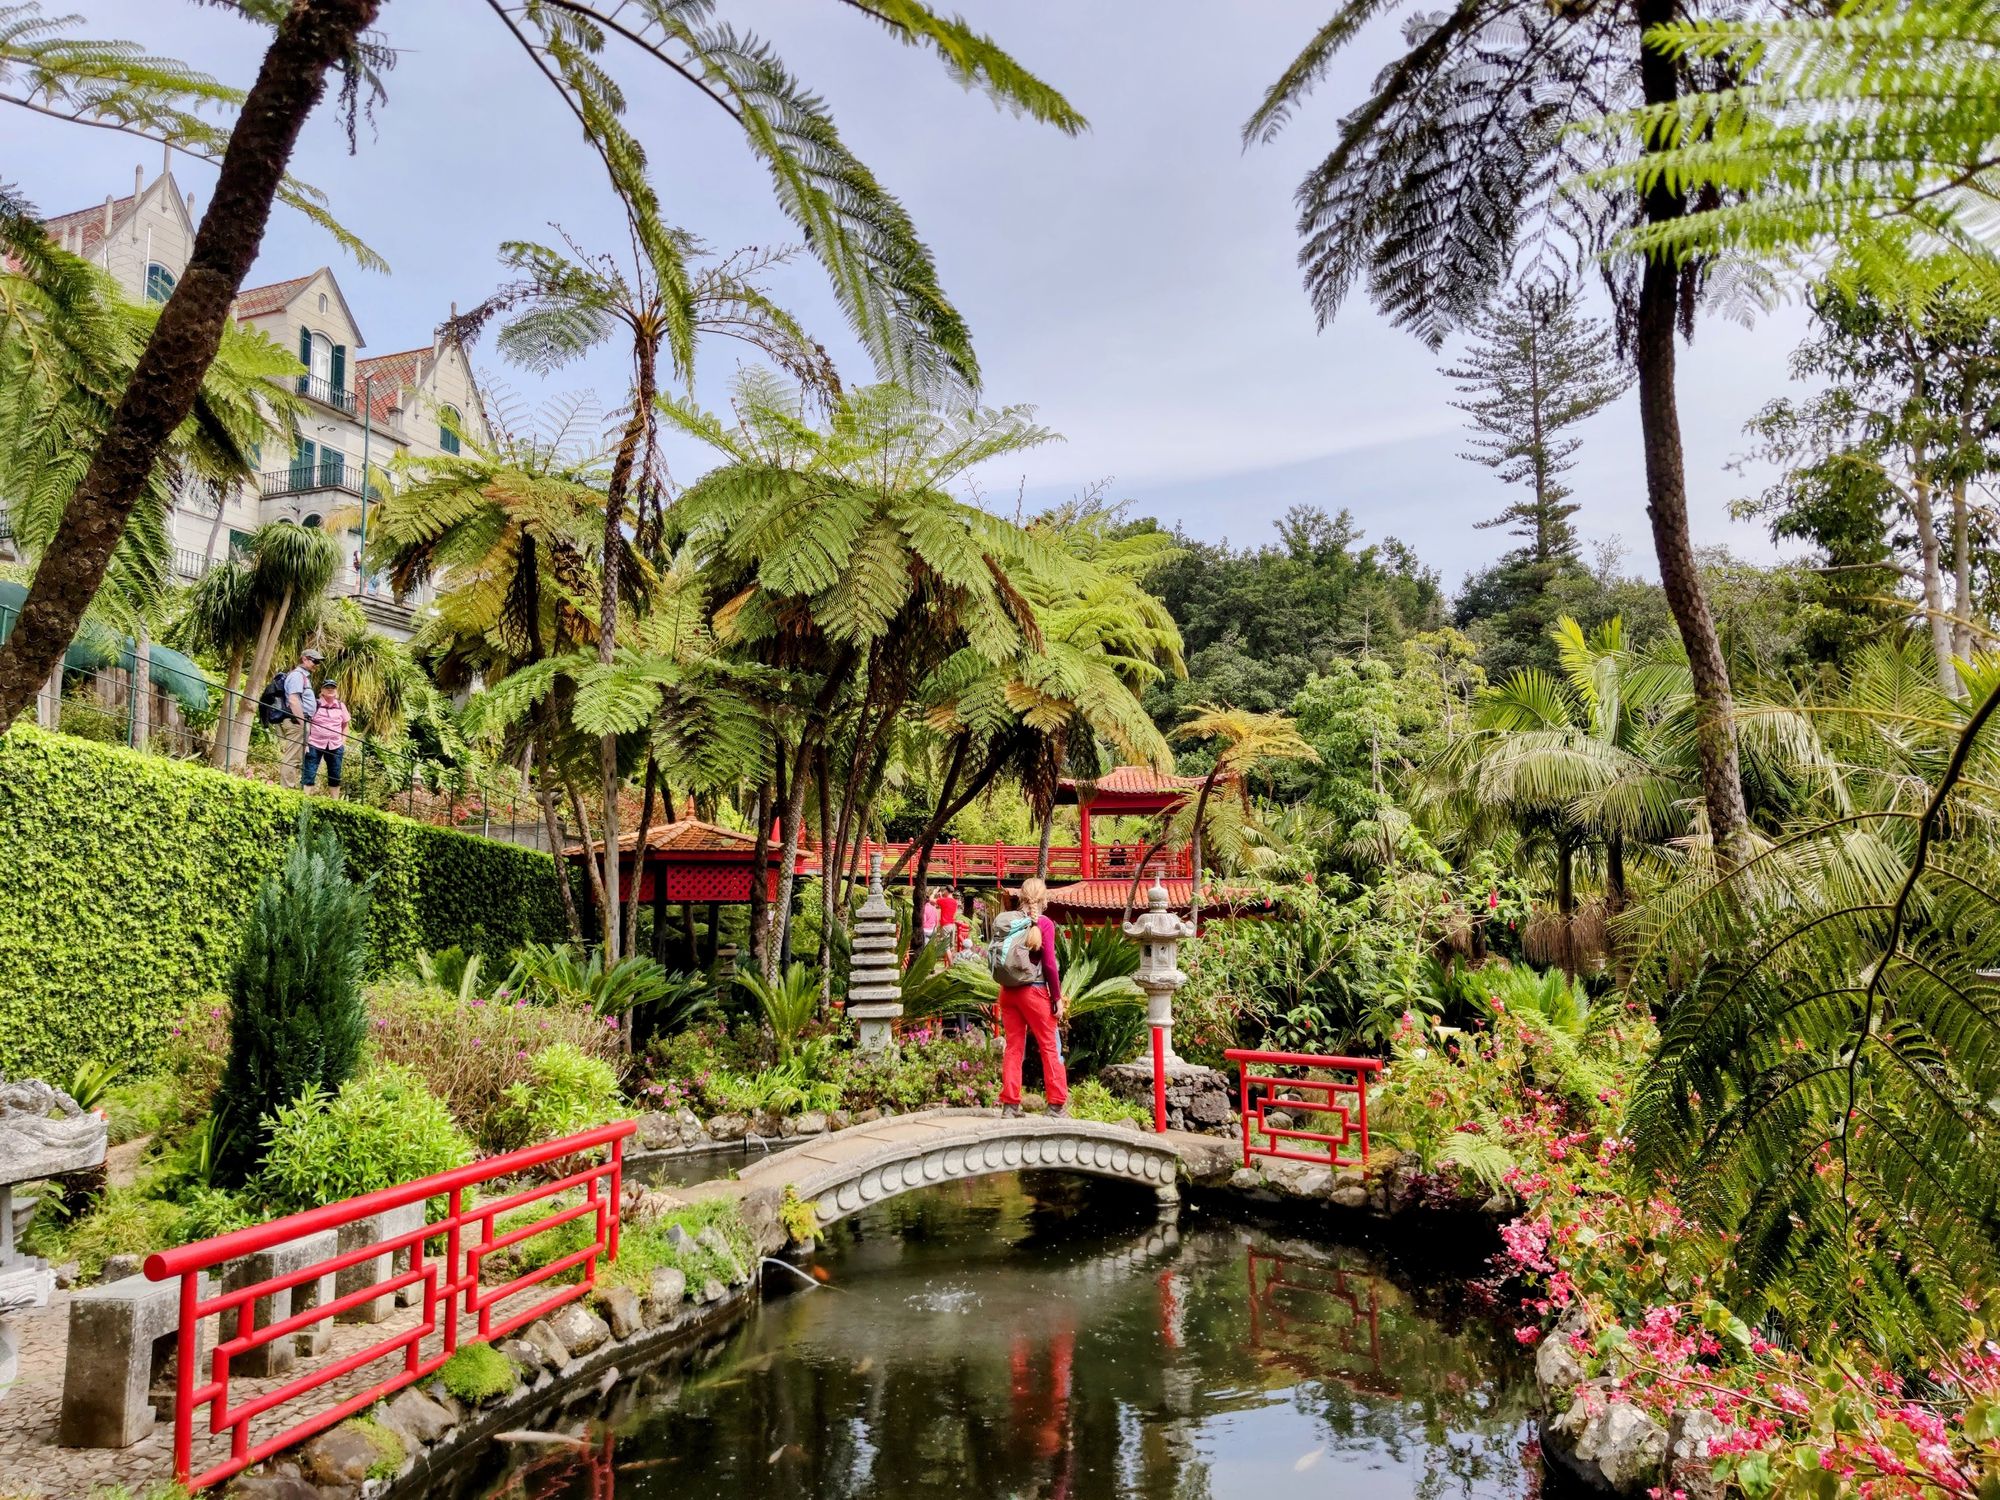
pixel 305 358
pixel 339 372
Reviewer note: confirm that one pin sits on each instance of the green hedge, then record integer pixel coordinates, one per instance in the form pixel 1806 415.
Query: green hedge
pixel 125 879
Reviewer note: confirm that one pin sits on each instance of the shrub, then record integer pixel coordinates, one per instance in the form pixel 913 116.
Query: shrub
pixel 567 1091
pixel 296 1018
pixel 379 1130
pixel 470 1055
pixel 642 1248
pixel 1091 1100
pixel 123 1221
pixel 477 1373
pixel 129 877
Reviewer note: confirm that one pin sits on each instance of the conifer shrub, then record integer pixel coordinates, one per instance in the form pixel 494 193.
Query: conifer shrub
pixel 296 1015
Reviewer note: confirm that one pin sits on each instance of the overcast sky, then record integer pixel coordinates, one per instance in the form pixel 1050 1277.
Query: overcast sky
pixel 1136 284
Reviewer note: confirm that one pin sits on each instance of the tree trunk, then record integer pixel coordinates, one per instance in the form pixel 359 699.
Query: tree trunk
pixel 1666 488
pixel 1042 854
pixel 261 662
pixel 1147 849
pixel 48 701
pixel 1566 902
pixel 832 866
pixel 639 849
pixel 545 798
pixel 1936 615
pixel 759 855
pixel 225 713
pixel 596 874
pixel 1200 813
pixel 309 40
pixel 1961 571
pixel 141 728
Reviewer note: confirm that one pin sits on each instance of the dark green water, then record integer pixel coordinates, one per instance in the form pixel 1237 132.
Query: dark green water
pixel 1045 1337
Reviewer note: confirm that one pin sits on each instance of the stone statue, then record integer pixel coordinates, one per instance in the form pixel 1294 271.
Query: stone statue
pixel 43 1133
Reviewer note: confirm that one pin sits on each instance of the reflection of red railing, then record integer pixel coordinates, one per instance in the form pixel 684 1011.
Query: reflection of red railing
pixel 1001 862
pixel 451 1288
pixel 1346 1100
pixel 1276 1284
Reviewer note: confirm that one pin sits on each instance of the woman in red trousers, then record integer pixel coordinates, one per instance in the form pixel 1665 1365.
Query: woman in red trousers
pixel 1034 1008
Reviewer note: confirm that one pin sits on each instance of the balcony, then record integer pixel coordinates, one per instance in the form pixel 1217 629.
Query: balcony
pixel 192 566
pixel 302 479
pixel 326 393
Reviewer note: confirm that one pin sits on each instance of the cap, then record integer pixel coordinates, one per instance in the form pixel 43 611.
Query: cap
pixel 313 653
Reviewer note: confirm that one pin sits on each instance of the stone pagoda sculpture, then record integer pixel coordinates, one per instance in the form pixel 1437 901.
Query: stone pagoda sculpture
pixel 43 1133
pixel 874 977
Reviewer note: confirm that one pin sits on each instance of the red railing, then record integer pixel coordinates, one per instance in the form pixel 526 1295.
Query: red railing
pixel 1002 862
pixel 451 1288
pixel 1346 1100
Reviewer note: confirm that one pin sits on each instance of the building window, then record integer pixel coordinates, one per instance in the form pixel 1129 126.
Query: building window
pixel 450 425
pixel 311 521
pixel 159 282
pixel 322 359
pixel 322 301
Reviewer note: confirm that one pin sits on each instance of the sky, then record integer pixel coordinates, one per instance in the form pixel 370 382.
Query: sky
pixel 1135 284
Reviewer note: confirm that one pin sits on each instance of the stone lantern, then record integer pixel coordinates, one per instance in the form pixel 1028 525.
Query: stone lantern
pixel 874 978
pixel 1158 933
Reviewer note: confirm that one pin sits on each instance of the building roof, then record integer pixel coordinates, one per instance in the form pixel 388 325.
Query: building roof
pixel 91 222
pixel 1105 899
pixel 392 374
pixel 274 297
pixel 1131 788
pixel 683 836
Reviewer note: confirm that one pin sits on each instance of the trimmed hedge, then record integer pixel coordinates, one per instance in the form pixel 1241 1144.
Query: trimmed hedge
pixel 125 880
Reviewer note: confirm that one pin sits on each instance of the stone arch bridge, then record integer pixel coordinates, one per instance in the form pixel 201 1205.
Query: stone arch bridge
pixel 843 1173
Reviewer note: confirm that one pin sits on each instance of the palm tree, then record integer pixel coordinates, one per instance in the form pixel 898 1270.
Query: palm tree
pixel 846 561
pixel 288 568
pixel 376 673
pixel 1448 180
pixel 882 273
pixel 1245 743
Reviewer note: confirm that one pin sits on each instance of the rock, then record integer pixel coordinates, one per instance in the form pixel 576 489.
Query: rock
pixel 679 1239
pixel 67 1274
pixel 1278 1119
pixel 1300 1179
pixel 1246 1179
pixel 812 1122
pixel 645 1205
pixel 1610 1443
pixel 453 1407
pixel 339 1456
pixel 276 1486
pixel 727 1128
pixel 687 1126
pixel 1198 1099
pixel 579 1329
pixel 554 1352
pixel 657 1132
pixel 524 1356
pixel 1690 1470
pixel 838 1119
pixel 620 1306
pixel 768 1124
pixel 758 1209
pixel 118 1267
pixel 669 1291
pixel 1349 1177
pixel 713 1290
pixel 1558 1371
pixel 1499 1206
pixel 868 1117
pixel 711 1240
pixel 1350 1197
pixel 418 1418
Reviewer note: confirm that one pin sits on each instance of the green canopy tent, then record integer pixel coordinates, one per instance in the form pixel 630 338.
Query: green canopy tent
pixel 94 650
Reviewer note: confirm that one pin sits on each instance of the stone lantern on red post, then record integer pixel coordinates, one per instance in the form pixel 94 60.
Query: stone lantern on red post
pixel 1158 933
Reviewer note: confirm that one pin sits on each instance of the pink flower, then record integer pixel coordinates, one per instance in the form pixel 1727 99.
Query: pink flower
pixel 1526 1335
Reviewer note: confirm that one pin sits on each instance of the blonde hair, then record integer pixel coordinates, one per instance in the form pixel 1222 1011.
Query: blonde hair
pixel 1033 895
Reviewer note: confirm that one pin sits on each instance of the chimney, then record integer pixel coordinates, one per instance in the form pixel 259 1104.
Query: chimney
pixel 138 181
pixel 191 217
pixel 107 213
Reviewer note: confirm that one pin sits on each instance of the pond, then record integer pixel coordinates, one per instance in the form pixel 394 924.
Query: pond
pixel 1039 1336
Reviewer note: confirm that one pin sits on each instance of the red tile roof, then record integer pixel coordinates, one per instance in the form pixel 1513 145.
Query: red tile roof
pixel 393 374
pixel 262 301
pixel 91 222
pixel 686 836
pixel 1106 898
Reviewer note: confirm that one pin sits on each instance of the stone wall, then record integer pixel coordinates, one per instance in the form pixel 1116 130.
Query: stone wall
pixel 1199 1100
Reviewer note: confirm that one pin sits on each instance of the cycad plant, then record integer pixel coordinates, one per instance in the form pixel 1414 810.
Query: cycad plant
pixel 787 1003
pixel 296 1019
pixel 1823 1091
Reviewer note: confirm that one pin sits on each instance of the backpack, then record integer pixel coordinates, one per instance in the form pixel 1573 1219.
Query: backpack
pixel 1007 955
pixel 271 705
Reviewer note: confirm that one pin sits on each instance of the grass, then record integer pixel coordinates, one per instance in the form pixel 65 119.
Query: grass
pixel 477 1373
pixel 642 1248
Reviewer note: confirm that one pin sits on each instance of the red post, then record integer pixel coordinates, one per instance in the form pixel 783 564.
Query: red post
pixel 1160 1080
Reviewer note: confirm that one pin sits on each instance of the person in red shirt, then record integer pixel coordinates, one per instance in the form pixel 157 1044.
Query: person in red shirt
pixel 1034 1008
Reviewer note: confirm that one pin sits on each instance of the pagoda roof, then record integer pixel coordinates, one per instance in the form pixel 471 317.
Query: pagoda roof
pixel 1136 789
pixel 685 836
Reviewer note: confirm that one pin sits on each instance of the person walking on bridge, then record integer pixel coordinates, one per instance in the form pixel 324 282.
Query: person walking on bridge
pixel 1023 960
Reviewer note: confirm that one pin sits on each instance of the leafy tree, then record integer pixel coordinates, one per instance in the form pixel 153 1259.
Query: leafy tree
pixel 1447 179
pixel 1897 449
pixel 296 1019
pixel 288 567
pixel 882 273
pixel 1244 744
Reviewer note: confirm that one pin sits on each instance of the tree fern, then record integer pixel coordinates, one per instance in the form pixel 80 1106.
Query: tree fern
pixel 1824 1090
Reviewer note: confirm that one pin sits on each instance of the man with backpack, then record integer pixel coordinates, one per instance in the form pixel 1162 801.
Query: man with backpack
pixel 1022 957
pixel 291 711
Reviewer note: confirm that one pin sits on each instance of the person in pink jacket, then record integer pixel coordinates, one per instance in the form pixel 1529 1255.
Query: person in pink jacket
pixel 326 738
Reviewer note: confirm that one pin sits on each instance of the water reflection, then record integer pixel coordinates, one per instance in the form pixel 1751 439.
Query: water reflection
pixel 1048 1339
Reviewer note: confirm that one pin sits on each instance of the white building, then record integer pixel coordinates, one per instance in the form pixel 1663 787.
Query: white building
pixel 419 401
